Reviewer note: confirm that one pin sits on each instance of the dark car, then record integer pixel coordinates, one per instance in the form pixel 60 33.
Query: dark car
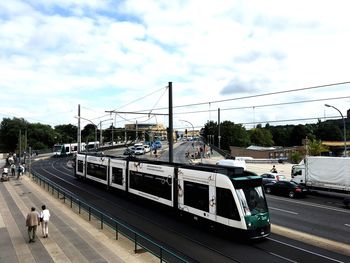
pixel 128 151
pixel 291 189
pixel 272 178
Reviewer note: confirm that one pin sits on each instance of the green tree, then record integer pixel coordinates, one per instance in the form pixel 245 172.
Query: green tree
pixel 40 136
pixel 261 137
pixel 329 131
pixel 315 147
pixel 210 128
pixel 233 135
pixel 9 133
pixel 297 135
pixel 66 133
pixel 88 133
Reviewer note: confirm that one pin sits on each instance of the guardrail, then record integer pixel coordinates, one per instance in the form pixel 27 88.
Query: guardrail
pixel 83 208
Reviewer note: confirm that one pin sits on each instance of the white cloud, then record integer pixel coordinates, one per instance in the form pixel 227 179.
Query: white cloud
pixel 105 54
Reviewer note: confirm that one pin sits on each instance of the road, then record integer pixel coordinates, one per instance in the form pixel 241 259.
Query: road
pixel 198 243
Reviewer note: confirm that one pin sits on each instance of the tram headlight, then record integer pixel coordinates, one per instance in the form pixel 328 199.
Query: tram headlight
pixel 249 224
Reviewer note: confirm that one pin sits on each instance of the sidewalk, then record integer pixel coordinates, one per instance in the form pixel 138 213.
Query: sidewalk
pixel 71 238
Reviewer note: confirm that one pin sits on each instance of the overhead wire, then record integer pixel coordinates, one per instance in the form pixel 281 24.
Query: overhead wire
pixel 263 105
pixel 256 95
pixel 138 99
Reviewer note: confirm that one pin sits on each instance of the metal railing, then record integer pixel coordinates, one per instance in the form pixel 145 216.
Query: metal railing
pixel 83 208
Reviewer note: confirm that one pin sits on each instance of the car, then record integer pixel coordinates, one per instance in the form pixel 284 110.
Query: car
pixel 139 150
pixel 147 148
pixel 272 178
pixel 288 188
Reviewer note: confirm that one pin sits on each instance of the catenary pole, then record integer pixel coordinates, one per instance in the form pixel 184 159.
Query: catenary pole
pixel 170 134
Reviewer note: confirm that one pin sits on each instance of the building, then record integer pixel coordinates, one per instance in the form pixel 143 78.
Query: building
pixel 259 152
pixel 154 131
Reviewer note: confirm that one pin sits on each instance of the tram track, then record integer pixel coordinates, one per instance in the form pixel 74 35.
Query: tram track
pixel 93 196
pixel 62 175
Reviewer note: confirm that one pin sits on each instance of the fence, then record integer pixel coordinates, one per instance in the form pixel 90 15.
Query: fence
pixel 139 240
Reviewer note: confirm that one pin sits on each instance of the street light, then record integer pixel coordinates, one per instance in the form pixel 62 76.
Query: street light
pixel 100 123
pixel 344 126
pixel 79 117
pixel 191 125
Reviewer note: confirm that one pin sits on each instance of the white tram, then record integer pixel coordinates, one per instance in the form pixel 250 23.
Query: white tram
pixel 227 196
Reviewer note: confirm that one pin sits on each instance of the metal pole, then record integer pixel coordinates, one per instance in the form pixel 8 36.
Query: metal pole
pixel 30 160
pixel 20 146
pixel 344 127
pixel 100 133
pixel 219 135
pixel 95 136
pixel 79 132
pixel 171 139
pixel 136 134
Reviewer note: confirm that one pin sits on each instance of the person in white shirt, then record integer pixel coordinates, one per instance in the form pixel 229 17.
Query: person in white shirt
pixel 44 219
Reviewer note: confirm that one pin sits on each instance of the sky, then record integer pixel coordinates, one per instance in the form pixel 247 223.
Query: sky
pixel 271 61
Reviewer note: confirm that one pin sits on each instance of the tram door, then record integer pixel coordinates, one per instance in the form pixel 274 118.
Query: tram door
pixel 212 197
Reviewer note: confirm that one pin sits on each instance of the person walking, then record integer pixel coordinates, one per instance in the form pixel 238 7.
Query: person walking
pixel 32 221
pixel 44 219
pixel 13 169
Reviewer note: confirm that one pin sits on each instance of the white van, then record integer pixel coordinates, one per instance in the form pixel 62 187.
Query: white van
pixel 232 162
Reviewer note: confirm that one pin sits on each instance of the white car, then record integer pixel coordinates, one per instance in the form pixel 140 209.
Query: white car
pixel 139 150
pixel 147 148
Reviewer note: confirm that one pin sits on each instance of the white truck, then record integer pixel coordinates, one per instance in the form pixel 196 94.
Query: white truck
pixel 323 173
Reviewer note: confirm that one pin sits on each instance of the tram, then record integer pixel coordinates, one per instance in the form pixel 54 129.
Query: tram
pixel 218 195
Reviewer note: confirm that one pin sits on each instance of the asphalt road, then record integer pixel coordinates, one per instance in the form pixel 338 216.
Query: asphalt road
pixel 200 244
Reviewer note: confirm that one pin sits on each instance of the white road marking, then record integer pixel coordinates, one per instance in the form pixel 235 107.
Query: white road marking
pixel 305 250
pixel 282 210
pixel 347 224
pixel 311 204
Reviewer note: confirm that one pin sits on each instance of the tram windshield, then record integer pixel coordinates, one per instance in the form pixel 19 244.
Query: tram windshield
pixel 252 200
pixel 57 148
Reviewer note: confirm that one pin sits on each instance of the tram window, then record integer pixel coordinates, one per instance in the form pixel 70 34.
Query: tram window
pixel 225 204
pixel 196 195
pixel 97 170
pixel 80 166
pixel 117 175
pixel 151 184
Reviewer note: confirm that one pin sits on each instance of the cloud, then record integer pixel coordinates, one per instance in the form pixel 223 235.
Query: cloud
pixel 105 54
pixel 238 86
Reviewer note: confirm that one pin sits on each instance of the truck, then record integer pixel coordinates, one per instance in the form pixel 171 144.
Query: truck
pixel 325 173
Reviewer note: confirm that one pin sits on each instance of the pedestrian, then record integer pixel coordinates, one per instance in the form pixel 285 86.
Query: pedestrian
pixel 32 222
pixel 44 219
pixel 273 170
pixel 13 169
pixel 19 171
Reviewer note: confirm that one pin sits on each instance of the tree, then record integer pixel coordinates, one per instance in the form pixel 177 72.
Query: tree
pixel 261 137
pixel 281 134
pixel 66 133
pixel 88 133
pixel 328 131
pixel 40 136
pixel 210 128
pixel 9 133
pixel 233 135
pixel 315 147
pixel 297 135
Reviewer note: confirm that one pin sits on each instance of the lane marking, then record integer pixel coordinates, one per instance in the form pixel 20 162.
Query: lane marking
pixel 311 204
pixel 305 250
pixel 327 244
pixel 279 256
pixel 347 224
pixel 282 210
